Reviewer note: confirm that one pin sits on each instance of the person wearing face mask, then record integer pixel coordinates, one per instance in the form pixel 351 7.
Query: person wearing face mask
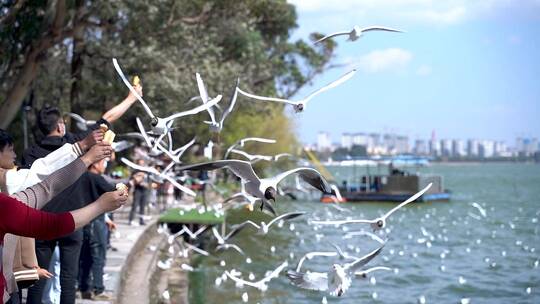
pixel 51 124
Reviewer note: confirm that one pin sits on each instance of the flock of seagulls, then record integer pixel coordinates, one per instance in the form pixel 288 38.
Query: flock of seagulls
pixel 340 273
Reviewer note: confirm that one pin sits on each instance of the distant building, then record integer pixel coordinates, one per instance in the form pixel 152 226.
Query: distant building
pixel 473 147
pixel 446 147
pixel 324 143
pixel 346 140
pixel 486 149
pixel 458 148
pixel 526 146
pixel 420 147
pixel 434 148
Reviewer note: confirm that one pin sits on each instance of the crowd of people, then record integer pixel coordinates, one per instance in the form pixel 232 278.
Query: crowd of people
pixel 56 209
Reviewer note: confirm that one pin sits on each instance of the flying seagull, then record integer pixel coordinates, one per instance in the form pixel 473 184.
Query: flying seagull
pixel 216 126
pixel 222 240
pixel 261 284
pixel 262 188
pixel 263 227
pixel 357 32
pixel 157 173
pixel 300 105
pixel 243 141
pixel 336 281
pixel 364 273
pixel 379 222
pixel 80 122
pixel 162 125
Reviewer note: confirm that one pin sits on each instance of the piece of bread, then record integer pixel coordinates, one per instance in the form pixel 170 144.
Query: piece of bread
pixel 109 137
pixel 121 186
pixel 136 80
pixel 103 127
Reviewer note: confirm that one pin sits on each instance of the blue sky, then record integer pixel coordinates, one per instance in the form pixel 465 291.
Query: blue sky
pixel 465 69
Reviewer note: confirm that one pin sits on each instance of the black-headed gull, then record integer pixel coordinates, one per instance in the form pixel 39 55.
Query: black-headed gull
pixel 163 125
pixel 380 222
pixel 356 32
pixel 80 122
pixel 263 283
pixel 300 105
pixel 262 188
pixel 263 228
pixel 243 141
pixel 336 281
pixel 154 171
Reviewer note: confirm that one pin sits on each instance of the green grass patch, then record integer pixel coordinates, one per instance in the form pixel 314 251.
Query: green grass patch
pixel 190 217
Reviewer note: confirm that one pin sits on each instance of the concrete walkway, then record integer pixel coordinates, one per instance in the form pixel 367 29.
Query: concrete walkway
pixel 125 241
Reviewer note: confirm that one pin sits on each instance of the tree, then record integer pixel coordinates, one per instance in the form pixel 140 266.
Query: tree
pixel 165 42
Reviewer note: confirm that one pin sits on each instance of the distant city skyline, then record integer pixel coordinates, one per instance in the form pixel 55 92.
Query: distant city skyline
pixel 466 69
pixel 377 143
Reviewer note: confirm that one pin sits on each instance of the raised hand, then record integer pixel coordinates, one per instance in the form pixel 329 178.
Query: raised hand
pixel 91 139
pixel 96 153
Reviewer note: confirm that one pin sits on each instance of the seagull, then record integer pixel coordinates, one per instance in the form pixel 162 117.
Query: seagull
pixel 222 240
pixel 366 233
pixel 379 222
pixel 337 281
pixel 301 104
pixel 480 209
pixel 265 188
pixel 253 158
pixel 156 172
pixel 162 125
pixel 216 126
pixel 204 98
pixel 311 255
pixel 357 32
pixel 342 254
pixel 175 155
pixel 364 273
pixel 80 122
pixel 194 235
pixel 261 284
pixel 243 141
pixel 121 145
pixel 251 200
pixel 264 228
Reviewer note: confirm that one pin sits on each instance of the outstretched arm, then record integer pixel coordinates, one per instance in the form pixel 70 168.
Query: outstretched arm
pixel 117 111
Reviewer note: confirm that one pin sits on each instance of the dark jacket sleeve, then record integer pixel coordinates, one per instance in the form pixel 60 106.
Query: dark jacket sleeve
pixel 75 137
pixel 19 219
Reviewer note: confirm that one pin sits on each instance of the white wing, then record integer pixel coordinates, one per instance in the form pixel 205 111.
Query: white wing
pixel 232 102
pixel 331 85
pixel 263 98
pixel 309 175
pixel 197 249
pixel 286 217
pixel 196 110
pixel 131 88
pixel 333 35
pixel 218 236
pixel 309 280
pixel 143 132
pixel 257 139
pixel 155 172
pixel 204 96
pixel 343 222
pixel 380 28
pixel 411 199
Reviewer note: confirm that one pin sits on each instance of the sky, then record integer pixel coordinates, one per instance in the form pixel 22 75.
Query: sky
pixel 463 69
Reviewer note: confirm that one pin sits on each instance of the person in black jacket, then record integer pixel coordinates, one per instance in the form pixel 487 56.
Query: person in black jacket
pixel 51 123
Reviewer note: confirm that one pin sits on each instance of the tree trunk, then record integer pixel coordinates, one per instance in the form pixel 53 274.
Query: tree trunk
pixel 18 91
pixel 28 73
pixel 77 62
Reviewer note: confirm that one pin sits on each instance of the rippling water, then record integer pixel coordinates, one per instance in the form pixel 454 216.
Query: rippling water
pixel 494 256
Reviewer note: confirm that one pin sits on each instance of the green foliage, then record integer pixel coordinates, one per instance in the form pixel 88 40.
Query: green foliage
pixel 166 42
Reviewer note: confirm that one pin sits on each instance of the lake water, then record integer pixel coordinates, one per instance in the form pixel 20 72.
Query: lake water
pixel 438 251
